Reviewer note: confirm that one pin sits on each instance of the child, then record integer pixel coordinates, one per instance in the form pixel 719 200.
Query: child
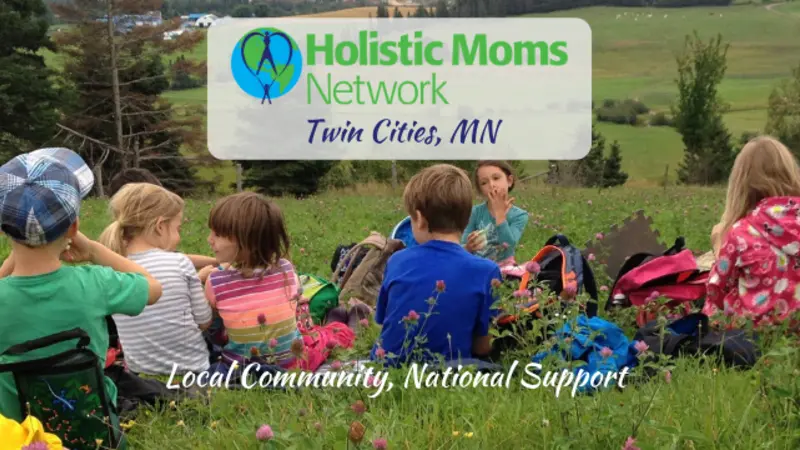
pixel 257 295
pixel 146 229
pixel 757 242
pixel 496 225
pixel 439 202
pixel 40 199
pixel 137 175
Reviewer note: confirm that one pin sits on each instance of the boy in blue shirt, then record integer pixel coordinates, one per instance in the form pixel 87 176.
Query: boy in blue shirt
pixel 436 299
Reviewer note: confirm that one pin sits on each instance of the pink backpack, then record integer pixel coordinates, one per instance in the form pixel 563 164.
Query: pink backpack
pixel 645 277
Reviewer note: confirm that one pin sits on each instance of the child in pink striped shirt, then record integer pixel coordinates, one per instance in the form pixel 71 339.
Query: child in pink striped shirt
pixel 257 292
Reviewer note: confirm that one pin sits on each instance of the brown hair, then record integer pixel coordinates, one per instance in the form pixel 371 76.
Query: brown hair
pixel 135 175
pixel 136 210
pixel 502 165
pixel 443 195
pixel 763 168
pixel 257 225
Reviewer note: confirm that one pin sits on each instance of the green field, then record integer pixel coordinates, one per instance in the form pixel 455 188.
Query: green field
pixel 705 406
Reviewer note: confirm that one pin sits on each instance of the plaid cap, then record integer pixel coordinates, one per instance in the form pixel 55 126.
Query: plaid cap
pixel 40 194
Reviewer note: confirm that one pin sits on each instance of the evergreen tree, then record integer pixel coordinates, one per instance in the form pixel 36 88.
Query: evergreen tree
pixel 612 169
pixel 29 102
pixel 120 119
pixel 441 9
pixel 708 154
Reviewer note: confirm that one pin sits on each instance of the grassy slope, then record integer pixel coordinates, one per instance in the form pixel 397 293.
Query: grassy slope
pixel 634 57
pixel 700 405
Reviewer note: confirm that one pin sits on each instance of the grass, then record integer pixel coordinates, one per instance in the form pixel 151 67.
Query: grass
pixel 634 57
pixel 706 406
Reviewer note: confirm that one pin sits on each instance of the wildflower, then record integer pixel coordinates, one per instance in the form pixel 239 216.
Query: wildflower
pixel 380 444
pixel 36 446
pixel 468 434
pixel 262 319
pixel 590 257
pixel 604 288
pixel 180 424
pixel 364 322
pixel 358 407
pixel 440 286
pixel 545 422
pixel 302 250
pixel 297 347
pixel 522 294
pixel 532 267
pixel 412 316
pixel 589 202
pixel 356 432
pixel 641 346
pixel 599 236
pixel 653 295
pixel 570 290
pixel 318 426
pixel 273 343
pixel 496 283
pixel 605 352
pixel 336 365
pixel 668 377
pixel 455 433
pixel 254 352
pixel 264 433
pixel 99 442
pixel 380 353
pixel 629 444
pixel 214 425
pixel 172 404
pixel 372 381
pixel 127 426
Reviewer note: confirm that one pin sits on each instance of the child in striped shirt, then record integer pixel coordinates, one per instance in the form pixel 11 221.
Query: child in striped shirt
pixel 169 334
pixel 258 294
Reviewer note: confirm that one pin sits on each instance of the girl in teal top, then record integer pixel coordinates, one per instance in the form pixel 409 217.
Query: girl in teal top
pixel 496 225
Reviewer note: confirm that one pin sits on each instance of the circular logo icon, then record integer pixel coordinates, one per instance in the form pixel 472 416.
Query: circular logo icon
pixel 266 64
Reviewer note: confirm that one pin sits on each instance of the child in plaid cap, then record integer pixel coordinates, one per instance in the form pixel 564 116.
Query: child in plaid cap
pixel 40 199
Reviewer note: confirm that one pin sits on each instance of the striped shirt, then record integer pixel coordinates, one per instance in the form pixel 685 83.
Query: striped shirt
pixel 258 312
pixel 167 332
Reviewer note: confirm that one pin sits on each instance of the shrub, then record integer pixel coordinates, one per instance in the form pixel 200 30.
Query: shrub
pixel 661 119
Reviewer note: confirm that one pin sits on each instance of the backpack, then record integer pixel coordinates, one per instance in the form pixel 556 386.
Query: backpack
pixel 359 273
pixel 66 392
pixel 673 274
pixel 322 294
pixel 561 265
pixel 692 335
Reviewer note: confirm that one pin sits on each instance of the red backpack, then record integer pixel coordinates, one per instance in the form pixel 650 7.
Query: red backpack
pixel 644 277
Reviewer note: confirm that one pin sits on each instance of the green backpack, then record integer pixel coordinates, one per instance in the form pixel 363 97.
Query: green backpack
pixel 323 296
pixel 66 392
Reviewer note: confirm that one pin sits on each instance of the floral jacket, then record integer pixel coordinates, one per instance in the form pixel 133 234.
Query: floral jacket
pixel 757 272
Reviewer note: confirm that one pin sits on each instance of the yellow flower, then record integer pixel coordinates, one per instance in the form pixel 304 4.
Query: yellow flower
pixel 214 425
pixel 469 434
pixel 127 426
pixel 455 433
pixel 181 424
pixel 17 435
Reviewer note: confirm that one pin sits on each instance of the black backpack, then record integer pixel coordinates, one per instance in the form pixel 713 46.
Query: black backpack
pixel 691 335
pixel 560 264
pixel 66 392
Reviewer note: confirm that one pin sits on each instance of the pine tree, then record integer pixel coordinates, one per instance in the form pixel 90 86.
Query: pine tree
pixel 29 102
pixel 277 178
pixel 120 120
pixel 612 169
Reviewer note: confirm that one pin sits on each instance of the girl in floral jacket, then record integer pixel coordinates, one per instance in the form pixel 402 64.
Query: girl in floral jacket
pixel 757 270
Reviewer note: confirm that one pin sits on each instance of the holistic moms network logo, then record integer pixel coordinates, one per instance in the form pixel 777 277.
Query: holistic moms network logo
pixel 266 63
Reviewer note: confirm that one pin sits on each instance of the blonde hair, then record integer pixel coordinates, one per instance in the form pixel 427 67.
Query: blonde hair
pixel 136 209
pixel 442 193
pixel 764 168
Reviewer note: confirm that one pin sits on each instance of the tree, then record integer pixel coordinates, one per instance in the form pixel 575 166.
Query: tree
pixel 783 112
pixel 277 178
pixel 708 152
pixel 612 169
pixel 441 9
pixel 29 99
pixel 120 119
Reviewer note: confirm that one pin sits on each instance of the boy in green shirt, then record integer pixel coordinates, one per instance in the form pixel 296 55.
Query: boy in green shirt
pixel 40 199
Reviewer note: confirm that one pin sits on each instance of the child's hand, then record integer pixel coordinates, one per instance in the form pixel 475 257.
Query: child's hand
pixel 204 273
pixel 81 249
pixel 475 242
pixel 499 204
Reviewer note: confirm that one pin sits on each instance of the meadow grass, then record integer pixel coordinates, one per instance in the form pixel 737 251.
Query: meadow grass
pixel 705 406
pixel 633 56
